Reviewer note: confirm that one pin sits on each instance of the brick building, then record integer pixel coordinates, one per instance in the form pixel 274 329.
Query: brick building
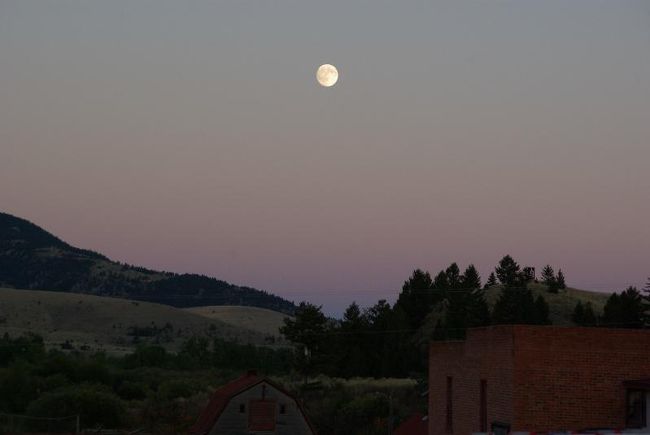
pixel 539 378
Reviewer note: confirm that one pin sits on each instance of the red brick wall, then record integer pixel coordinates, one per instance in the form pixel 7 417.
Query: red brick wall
pixel 539 378
pixel 571 378
pixel 487 354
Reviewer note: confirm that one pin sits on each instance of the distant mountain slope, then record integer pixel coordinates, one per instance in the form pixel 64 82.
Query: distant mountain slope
pixel 32 258
pixel 261 320
pixel 87 322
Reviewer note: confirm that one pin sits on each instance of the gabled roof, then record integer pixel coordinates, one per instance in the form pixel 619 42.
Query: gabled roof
pixel 223 395
pixel 414 425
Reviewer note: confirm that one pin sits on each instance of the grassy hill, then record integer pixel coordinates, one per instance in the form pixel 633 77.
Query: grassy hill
pixel 87 322
pixel 31 258
pixel 561 304
pixel 266 322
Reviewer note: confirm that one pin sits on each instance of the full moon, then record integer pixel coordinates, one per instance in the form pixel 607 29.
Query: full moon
pixel 327 75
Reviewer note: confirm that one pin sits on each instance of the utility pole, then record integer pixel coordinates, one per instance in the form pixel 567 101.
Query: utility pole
pixel 390 412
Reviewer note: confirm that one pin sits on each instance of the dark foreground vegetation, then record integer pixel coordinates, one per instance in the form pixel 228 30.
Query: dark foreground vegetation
pixel 160 392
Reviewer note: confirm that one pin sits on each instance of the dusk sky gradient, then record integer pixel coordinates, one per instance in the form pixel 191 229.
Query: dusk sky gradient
pixel 193 137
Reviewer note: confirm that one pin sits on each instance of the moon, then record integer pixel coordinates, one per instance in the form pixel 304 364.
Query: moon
pixel 327 75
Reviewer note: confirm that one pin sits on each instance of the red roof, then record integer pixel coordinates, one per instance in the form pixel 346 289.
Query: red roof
pixel 414 425
pixel 222 396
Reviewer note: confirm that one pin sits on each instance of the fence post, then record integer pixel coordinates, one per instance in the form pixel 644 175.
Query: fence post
pixel 77 426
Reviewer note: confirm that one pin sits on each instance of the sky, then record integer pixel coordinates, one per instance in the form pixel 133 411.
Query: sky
pixel 193 137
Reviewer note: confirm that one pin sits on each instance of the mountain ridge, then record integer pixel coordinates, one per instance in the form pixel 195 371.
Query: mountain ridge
pixel 31 258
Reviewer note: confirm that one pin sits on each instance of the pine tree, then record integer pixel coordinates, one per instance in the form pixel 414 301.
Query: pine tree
pixel 352 344
pixel 471 279
pixel 646 300
pixel 548 278
pixel 519 306
pixel 578 316
pixel 453 276
pixel 626 310
pixel 548 274
pixel 589 318
pixel 416 298
pixel 561 284
pixel 307 331
pixel 541 311
pixel 508 272
pixel 492 281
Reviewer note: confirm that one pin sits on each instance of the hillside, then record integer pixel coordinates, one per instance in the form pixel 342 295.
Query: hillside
pixel 264 321
pixel 86 322
pixel 561 304
pixel 32 258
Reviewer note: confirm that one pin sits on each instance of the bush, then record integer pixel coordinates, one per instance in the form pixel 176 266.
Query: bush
pixel 130 390
pixel 95 404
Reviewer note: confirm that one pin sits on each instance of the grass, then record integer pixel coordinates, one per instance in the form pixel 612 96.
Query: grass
pixel 267 322
pixel 95 323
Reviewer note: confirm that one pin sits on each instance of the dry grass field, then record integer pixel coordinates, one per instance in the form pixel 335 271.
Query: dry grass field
pixel 85 322
pixel 264 321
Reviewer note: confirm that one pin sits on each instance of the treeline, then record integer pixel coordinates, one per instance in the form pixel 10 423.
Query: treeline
pixel 151 388
pixel 384 340
pixel 627 309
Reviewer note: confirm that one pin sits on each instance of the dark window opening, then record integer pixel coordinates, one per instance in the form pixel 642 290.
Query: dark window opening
pixel 499 428
pixel 283 409
pixel 242 408
pixel 636 409
pixel 449 427
pixel 483 411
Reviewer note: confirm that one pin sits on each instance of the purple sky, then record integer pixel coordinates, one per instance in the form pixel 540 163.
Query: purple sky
pixel 192 137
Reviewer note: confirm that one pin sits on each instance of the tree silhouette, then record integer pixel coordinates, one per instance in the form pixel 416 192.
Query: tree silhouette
pixel 561 284
pixel 417 298
pixel 492 281
pixel 626 310
pixel 508 272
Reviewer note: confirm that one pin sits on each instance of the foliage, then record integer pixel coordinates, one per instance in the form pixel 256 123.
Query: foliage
pixel 508 272
pixel 548 278
pixel 626 310
pixel 96 405
pixel 519 306
pixel 492 281
pixel 583 315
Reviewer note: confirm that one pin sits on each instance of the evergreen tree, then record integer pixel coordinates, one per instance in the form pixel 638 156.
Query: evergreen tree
pixel 626 310
pixel 454 280
pixel 417 298
pixel 518 306
pixel 578 316
pixel 352 346
pixel 307 331
pixel 541 311
pixel 492 281
pixel 548 274
pixel 561 284
pixel 471 279
pixel 548 278
pixel 440 282
pixel 646 300
pixel 589 317
pixel 508 272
